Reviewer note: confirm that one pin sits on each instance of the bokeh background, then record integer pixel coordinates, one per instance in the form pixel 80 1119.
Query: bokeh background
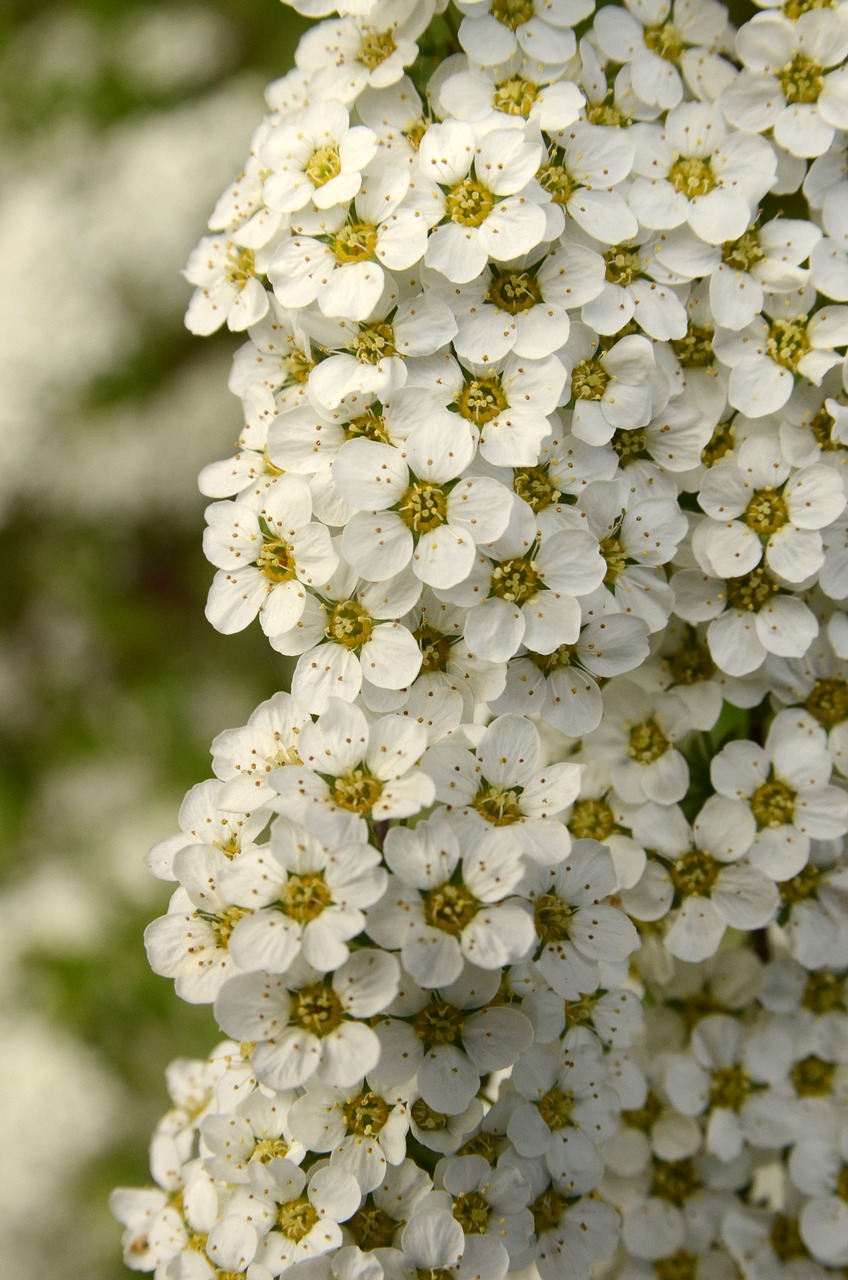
pixel 120 123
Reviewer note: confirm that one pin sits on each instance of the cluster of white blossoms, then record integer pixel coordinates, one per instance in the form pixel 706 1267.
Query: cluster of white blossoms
pixel 525 911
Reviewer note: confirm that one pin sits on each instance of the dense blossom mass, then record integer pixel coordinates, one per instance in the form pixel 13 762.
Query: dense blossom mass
pixel 525 911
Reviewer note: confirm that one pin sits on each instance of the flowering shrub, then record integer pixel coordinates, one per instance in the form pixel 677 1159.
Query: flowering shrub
pixel 525 910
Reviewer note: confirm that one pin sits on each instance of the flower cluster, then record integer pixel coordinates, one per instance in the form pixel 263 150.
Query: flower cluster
pixel 543 485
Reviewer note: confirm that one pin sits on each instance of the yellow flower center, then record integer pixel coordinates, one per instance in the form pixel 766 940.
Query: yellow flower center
pixel 516 580
pixel 801 80
pixel 357 792
pixel 296 1218
pixel 664 40
pixel 821 427
pixel 512 13
pixel 720 443
pixel 324 166
pixel 374 342
pixel 498 805
pixel 751 590
pixel 798 888
pixel 552 917
pixel 647 742
pixel 744 253
pixel 556 661
pixel 812 1076
pixel 515 96
pixel 695 873
pixel 305 897
pixel 695 349
pixel 426 1118
pixel 439 1022
pixel 223 923
pixel 691 176
pixel 773 804
pixel 435 648
pixel 766 512
pixel 615 556
pixel 547 1209
pixel 241 265
pixel 591 820
pixel 376 47
pixel 646 1116
pixel 450 908
pixel 827 701
pixel 482 399
pixel 276 560
pixel 793 9
pixel 555 1108
pixel 589 380
pixel 513 291
pixel 366 1114
pixel 675 1181
pixel 607 113
pixel 372 1228
pixel 423 507
pixel 469 203
pixel 730 1086
pixel 349 624
pixel 628 445
pixel 554 178
pixel 623 264
pixel 824 993
pixel 787 342
pixel 355 242
pixel 680 1266
pixel 535 486
pixel 691 663
pixel 472 1212
pixel 370 425
pixel 317 1009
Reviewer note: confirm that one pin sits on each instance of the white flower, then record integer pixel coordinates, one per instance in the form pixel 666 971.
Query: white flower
pixel 267 552
pixel 524 309
pixel 695 170
pixel 416 507
pixel 526 592
pixel 343 273
pixel 315 156
pixel 766 355
pixel 303 1209
pixel 244 757
pixel 562 685
pixel 635 743
pixel 369 359
pixel 305 899
pixel 479 182
pixel 518 87
pixel 501 794
pixel 316 1027
pixel 707 888
pixel 489 1205
pixel 792 81
pixel 491 32
pixel 817 681
pixel 578 932
pixel 761 510
pixel 786 784
pixel 364 1128
pixel 204 820
pixel 228 286
pixel 352 769
pixel 191 942
pixel 451 1037
pixel 751 616
pixel 654 38
pixel 351 630
pixel 344 56
pixel 611 388
pixel 440 914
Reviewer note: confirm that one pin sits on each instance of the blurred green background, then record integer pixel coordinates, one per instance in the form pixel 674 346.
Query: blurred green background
pixel 120 124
